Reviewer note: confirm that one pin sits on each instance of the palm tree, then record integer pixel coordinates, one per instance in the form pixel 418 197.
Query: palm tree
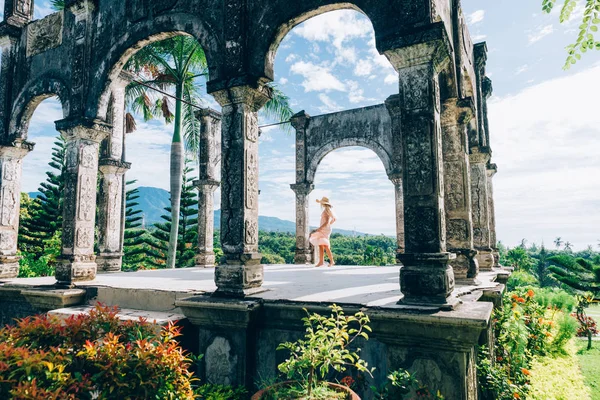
pixel 568 246
pixel 558 242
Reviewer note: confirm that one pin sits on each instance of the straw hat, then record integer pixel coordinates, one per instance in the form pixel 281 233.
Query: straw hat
pixel 324 202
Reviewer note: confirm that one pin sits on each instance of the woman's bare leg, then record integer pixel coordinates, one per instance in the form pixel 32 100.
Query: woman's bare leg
pixel 321 256
pixel 331 262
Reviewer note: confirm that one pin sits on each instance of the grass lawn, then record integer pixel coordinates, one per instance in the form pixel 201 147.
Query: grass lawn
pixel 589 362
pixel 559 377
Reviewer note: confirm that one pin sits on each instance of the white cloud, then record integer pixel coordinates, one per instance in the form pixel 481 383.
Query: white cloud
pixel 521 69
pixel 329 105
pixel 283 81
pixel 478 38
pixel 291 58
pixel 335 26
pixel 476 17
pixel 363 68
pixel 542 139
pixel 355 93
pixel 317 78
pixel 540 33
pixel 391 79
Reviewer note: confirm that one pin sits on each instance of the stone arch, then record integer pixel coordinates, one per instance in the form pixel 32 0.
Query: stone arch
pixel 337 144
pixel 286 27
pixel 31 96
pixel 139 35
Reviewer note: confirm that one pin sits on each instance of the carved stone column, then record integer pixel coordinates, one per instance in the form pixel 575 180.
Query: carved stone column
pixel 426 276
pixel 205 258
pixel 110 215
pixel 111 227
pixel 304 255
pixel 492 169
pixel 398 190
pixel 77 261
pixel 11 166
pixel 242 273
pixel 479 158
pixel 394 106
pixel 209 160
pixel 8 45
pixel 457 187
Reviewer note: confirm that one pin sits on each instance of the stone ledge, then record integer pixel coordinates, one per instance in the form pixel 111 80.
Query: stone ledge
pixel 221 312
pixel 44 298
pixel 154 317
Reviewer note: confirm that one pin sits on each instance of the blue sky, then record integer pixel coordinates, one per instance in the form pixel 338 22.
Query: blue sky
pixel 544 123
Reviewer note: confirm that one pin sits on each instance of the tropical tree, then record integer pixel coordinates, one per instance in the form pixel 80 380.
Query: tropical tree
pixel 188 229
pixel 590 22
pixel 134 243
pixel 558 242
pixel 577 273
pixel 44 213
pixel 568 247
pixel 178 64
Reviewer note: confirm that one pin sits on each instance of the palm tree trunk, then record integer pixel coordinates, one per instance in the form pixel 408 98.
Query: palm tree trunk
pixel 176 171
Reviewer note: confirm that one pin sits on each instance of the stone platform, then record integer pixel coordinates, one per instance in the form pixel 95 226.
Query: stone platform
pixel 239 337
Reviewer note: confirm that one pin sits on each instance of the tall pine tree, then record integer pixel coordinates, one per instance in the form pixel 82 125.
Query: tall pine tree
pixel 44 217
pixel 188 228
pixel 134 244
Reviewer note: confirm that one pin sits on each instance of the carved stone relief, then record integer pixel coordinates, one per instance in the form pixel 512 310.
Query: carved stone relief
pixel 44 34
pixel 87 203
pixel 251 179
pixel 251 232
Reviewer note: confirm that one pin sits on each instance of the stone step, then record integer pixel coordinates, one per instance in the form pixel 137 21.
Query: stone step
pixel 157 318
pixel 150 300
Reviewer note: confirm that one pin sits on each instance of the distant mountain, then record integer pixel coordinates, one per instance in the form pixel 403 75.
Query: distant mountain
pixel 154 200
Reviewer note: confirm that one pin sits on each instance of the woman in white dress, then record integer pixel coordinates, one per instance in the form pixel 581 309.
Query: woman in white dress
pixel 320 237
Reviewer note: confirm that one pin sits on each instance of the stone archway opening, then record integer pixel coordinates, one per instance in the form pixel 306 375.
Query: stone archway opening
pixel 154 79
pixel 356 182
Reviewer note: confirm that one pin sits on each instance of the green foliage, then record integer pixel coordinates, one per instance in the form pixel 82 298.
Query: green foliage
pixel 576 273
pixel 188 229
pixel 402 384
pixel 590 22
pixel 589 363
pixel 135 240
pixel 519 279
pixel 92 356
pixel 556 299
pixel 220 392
pixel 565 331
pixel 43 215
pixel 519 259
pixel 325 347
pixel 32 266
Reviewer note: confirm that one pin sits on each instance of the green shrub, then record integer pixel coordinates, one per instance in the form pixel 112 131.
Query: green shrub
pixel 566 328
pixel 272 259
pixel 556 298
pixel 519 279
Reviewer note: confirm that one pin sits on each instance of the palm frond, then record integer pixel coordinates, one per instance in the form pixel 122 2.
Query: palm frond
pixel 278 107
pixel 130 124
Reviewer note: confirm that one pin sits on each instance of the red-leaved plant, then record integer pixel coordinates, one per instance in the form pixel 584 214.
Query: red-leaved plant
pixel 92 356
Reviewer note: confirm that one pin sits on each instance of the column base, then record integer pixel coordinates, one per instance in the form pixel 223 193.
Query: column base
pixel 303 257
pixel 427 279
pixel 109 262
pixel 205 260
pixel 240 280
pixel 9 267
pixel 75 269
pixel 485 259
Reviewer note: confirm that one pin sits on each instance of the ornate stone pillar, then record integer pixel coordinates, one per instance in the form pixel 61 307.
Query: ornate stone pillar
pixel 304 255
pixel 18 12
pixel 111 227
pixel 8 44
pixel 479 158
pixel 209 158
pixel 110 215
pixel 11 166
pixel 492 169
pixel 77 261
pixel 394 106
pixel 398 190
pixel 205 258
pixel 426 276
pixel 242 272
pixel 457 186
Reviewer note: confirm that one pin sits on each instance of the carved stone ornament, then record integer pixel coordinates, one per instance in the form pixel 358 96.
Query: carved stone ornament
pixel 86 198
pixel 251 232
pixel 10 202
pixel 251 126
pixel 252 180
pixel 85 237
pixel 7 240
pixel 44 34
